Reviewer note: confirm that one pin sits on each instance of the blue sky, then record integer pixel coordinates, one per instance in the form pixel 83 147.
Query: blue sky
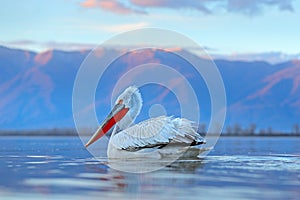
pixel 226 26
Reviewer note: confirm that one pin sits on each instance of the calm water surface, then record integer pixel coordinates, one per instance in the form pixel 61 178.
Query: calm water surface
pixel 237 168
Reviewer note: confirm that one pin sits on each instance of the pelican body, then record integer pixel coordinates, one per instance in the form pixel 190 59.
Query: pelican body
pixel 156 137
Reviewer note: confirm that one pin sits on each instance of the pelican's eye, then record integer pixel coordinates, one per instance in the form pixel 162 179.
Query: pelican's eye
pixel 120 101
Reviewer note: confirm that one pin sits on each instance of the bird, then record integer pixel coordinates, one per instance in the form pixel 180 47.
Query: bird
pixel 162 136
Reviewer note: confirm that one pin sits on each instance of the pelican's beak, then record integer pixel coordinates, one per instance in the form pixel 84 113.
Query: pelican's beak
pixel 117 113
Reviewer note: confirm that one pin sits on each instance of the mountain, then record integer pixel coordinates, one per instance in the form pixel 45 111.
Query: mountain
pixel 273 98
pixel 36 89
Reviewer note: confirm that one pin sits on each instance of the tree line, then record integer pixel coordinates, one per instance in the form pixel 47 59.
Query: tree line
pixel 253 130
pixel 229 130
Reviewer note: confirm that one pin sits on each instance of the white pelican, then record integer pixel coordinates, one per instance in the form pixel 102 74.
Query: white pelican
pixel 160 136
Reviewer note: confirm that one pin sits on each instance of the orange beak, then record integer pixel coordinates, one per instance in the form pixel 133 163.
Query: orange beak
pixel 117 113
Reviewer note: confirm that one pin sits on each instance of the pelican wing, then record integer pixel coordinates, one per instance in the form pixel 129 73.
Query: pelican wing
pixel 157 132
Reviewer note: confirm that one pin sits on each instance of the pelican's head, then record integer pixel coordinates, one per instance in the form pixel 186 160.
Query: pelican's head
pixel 127 106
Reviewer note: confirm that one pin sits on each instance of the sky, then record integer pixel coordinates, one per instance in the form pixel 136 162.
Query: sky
pixel 226 27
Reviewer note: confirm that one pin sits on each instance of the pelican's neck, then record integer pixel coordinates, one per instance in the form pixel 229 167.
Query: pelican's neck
pixel 134 104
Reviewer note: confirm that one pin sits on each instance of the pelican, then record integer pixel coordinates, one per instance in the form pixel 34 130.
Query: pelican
pixel 161 136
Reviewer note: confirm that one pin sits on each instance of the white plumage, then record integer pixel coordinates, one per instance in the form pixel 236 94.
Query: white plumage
pixel 160 136
pixel 155 131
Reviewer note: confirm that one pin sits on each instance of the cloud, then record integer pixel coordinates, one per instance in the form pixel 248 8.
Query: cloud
pixel 68 46
pixel 73 46
pixel 255 6
pixel 273 57
pixel 248 7
pixel 114 6
pixel 201 6
pixel 21 42
pixel 31 44
pixel 270 57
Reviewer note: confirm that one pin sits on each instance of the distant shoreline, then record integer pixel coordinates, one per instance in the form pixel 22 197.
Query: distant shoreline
pixel 72 133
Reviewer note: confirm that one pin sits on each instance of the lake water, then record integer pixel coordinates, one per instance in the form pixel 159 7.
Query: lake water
pixel 237 168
